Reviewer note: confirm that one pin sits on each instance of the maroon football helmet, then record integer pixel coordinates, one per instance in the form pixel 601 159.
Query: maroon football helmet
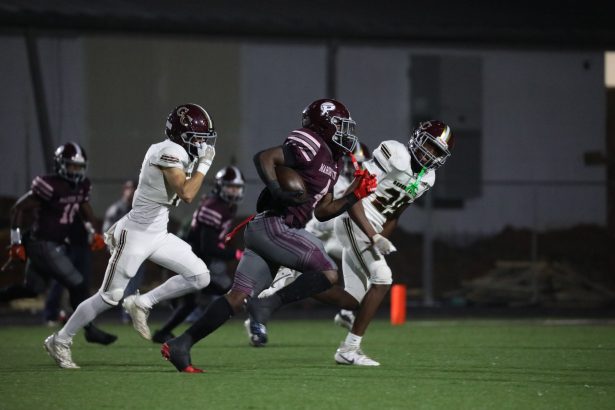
pixel 67 154
pixel 230 184
pixel 361 154
pixel 331 120
pixel 431 143
pixel 189 125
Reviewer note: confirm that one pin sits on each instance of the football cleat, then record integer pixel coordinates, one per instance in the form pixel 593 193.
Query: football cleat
pixel 353 356
pixel 138 315
pixel 344 318
pixel 95 335
pixel 60 352
pixel 179 355
pixel 257 332
pixel 192 369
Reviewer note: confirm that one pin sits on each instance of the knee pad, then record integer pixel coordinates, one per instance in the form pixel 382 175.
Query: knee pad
pixel 200 281
pixel 112 296
pixel 382 275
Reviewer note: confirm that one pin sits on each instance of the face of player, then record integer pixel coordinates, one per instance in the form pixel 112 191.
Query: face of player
pixel 431 151
pixel 233 191
pixel 75 169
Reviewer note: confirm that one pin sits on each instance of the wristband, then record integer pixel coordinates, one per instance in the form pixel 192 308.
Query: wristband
pixel 203 167
pixel 15 236
pixel 89 228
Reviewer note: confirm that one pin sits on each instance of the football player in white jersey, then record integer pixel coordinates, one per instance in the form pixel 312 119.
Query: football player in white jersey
pixel 172 170
pixel 257 332
pixel 403 174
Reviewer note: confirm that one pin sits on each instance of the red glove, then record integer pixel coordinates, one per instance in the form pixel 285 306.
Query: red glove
pixel 97 243
pixel 17 252
pixel 360 173
pixel 366 186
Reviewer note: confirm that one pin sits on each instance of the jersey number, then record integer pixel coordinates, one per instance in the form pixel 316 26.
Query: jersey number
pixel 387 205
pixel 69 213
pixel 322 193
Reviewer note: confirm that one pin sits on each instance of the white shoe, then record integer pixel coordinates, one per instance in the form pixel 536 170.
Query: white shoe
pixel 344 318
pixel 353 356
pixel 60 352
pixel 138 315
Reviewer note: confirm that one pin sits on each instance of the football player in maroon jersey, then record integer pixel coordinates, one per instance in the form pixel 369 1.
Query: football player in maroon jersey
pixel 276 236
pixel 55 200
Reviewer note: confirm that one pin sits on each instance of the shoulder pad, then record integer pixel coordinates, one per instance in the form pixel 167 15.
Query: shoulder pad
pixel 392 155
pixel 169 154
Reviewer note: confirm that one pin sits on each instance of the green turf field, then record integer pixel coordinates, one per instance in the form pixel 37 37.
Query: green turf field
pixel 425 365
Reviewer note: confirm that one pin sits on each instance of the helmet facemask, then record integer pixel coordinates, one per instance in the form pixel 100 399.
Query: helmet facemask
pixel 231 193
pixel 190 126
pixel 344 133
pixel 428 151
pixel 431 143
pixel 74 175
pixel 195 141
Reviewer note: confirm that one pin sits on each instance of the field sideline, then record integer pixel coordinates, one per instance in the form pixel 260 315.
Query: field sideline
pixel 468 364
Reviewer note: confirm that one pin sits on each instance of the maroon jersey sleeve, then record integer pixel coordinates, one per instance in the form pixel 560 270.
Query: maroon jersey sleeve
pixel 43 188
pixel 303 148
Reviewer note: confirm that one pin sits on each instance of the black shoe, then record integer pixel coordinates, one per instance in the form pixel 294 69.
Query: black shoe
pixel 178 352
pixel 162 337
pixel 95 335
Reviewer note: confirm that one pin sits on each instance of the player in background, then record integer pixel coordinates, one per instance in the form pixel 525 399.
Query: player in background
pixel 276 236
pixel 404 173
pixel 257 332
pixel 211 221
pixel 172 171
pixel 80 254
pixel 81 257
pixel 55 200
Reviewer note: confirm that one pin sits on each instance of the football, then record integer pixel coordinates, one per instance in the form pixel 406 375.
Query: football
pixel 290 180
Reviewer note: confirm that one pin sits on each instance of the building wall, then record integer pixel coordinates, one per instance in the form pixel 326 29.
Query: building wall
pixel 540 113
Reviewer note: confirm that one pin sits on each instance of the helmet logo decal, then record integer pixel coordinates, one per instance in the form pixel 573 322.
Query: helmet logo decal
pixel 326 107
pixel 184 118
